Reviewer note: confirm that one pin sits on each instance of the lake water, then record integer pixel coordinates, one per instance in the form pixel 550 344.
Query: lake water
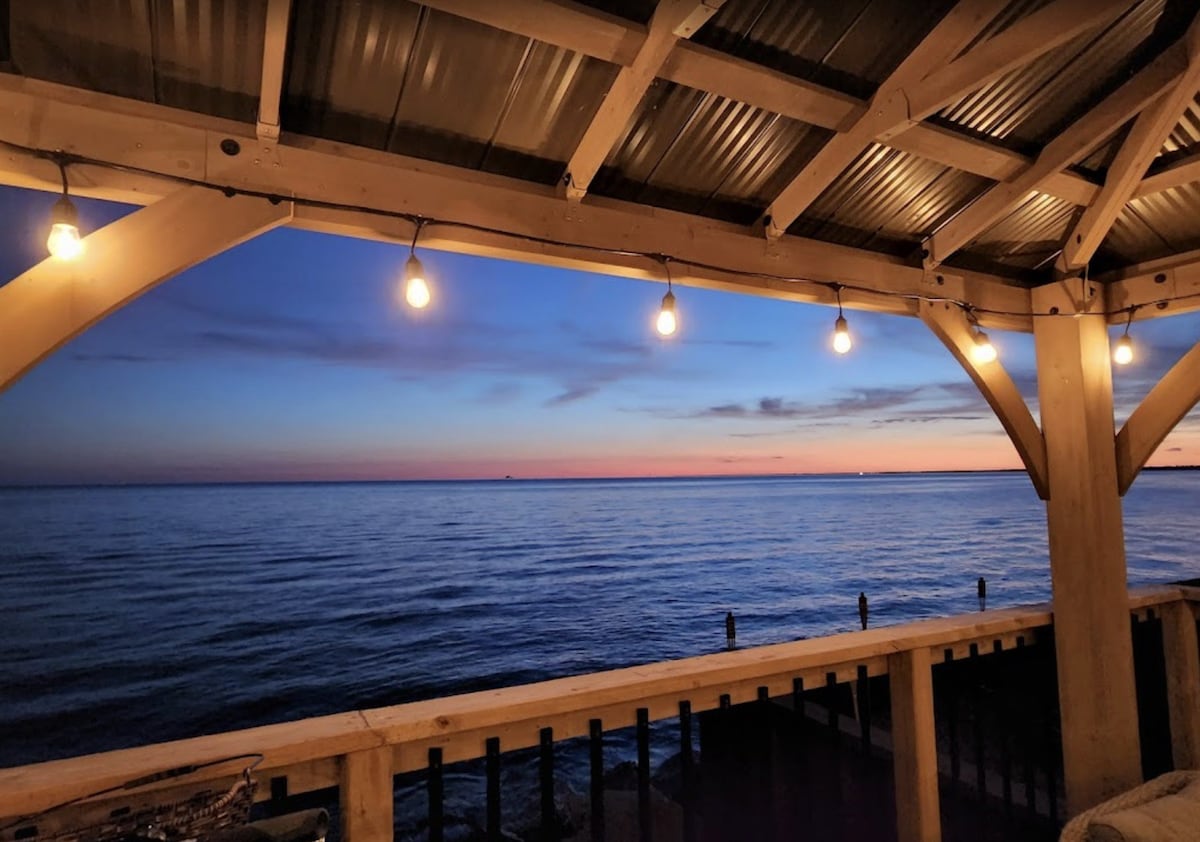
pixel 141 614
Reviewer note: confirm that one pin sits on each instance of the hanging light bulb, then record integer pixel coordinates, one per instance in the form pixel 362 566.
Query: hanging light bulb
pixel 667 323
pixel 64 242
pixel 1123 349
pixel 984 351
pixel 841 332
pixel 416 289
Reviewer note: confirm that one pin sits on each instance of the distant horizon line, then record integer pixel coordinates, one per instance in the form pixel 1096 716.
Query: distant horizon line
pixel 507 479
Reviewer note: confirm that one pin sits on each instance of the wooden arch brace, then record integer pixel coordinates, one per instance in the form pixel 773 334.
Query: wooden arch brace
pixel 1158 413
pixel 949 324
pixel 55 301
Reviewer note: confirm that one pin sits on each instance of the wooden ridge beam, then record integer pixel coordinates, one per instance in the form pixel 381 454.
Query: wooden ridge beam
pixel 535 220
pixel 1079 139
pixel 274 62
pixel 672 20
pixel 55 301
pixel 1165 406
pixel 1150 130
pixel 949 324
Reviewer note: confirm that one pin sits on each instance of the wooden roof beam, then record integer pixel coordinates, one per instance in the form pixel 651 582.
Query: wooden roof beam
pixel 949 324
pixel 1166 287
pixel 540 226
pixel 274 62
pixel 1079 139
pixel 1159 412
pixel 887 112
pixel 584 30
pixel 1176 174
pixel 931 78
pixel 1150 130
pixel 672 20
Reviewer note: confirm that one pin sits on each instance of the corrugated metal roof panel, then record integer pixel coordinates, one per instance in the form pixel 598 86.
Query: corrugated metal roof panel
pixel 888 200
pixel 405 78
pixel 1186 134
pixel 1128 240
pixel 851 45
pixel 1030 105
pixel 157 52
pixel 1029 236
pixel 1174 217
pixel 701 153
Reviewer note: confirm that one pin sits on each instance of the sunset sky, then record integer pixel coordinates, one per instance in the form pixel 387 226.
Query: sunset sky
pixel 288 358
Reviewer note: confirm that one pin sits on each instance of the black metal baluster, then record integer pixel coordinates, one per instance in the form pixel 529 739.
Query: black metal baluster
pixel 864 708
pixel 977 722
pixel 832 713
pixel 950 694
pixel 493 788
pixel 687 772
pixel 1027 743
pixel 725 702
pixel 767 764
pixel 645 813
pixel 596 752
pixel 546 782
pixel 1004 724
pixel 436 794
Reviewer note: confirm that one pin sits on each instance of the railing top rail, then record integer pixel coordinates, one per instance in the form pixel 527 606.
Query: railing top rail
pixel 26 790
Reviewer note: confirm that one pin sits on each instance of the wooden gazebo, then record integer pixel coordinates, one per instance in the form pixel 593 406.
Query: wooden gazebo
pixel 1018 165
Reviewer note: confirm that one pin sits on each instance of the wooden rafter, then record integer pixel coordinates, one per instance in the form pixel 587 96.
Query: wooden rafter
pixel 931 77
pixel 1165 406
pixel 56 300
pixel 1150 130
pixel 949 324
pixel 672 20
pixel 275 42
pixel 142 135
pixel 582 29
pixel 1176 174
pixel 1079 139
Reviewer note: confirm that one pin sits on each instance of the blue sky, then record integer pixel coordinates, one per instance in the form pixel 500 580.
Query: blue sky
pixel 289 357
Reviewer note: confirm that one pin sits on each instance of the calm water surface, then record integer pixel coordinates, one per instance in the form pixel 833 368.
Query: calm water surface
pixel 134 615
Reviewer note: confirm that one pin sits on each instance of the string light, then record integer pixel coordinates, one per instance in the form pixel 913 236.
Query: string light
pixel 983 351
pixel 416 290
pixel 667 322
pixel 64 242
pixel 1123 349
pixel 841 333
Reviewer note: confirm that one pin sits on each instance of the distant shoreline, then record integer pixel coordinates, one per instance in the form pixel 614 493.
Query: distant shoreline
pixel 511 479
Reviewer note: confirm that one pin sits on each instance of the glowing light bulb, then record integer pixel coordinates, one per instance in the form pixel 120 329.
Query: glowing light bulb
pixel 1123 351
pixel 64 242
pixel 666 324
pixel 984 351
pixel 841 336
pixel 416 291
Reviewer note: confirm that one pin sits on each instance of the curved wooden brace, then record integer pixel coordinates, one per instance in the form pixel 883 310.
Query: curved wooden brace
pixel 55 301
pixel 949 324
pixel 1171 398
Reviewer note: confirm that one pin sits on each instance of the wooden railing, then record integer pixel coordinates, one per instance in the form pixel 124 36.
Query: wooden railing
pixel 359 752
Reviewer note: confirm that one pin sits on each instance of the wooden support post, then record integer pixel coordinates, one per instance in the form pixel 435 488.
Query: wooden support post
pixel 914 747
pixel 365 796
pixel 1182 656
pixel 1097 700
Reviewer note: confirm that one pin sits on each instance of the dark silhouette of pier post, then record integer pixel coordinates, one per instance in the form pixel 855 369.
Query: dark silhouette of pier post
pixel 981 589
pixel 730 631
pixel 863 611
